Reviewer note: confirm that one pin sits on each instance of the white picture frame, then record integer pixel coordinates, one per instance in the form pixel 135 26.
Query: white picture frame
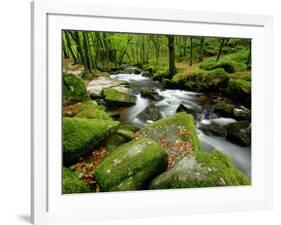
pixel 47 202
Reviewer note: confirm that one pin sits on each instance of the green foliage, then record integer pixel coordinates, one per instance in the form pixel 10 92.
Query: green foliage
pixel 74 89
pixel 202 170
pixel 72 183
pixel 81 136
pixel 131 166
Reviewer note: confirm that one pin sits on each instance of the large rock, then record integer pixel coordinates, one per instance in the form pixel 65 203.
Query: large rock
pixel 176 134
pixel 239 91
pixel 116 97
pixel 131 166
pixel 201 170
pixel 74 89
pixel 89 110
pixel 224 109
pixel 239 132
pixel 151 112
pixel 72 183
pixel 96 86
pixel 215 126
pixel 148 92
pixel 81 136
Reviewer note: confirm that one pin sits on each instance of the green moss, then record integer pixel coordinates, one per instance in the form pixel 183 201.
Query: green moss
pixel 202 170
pixel 129 127
pixel 224 109
pixel 90 110
pixel 239 132
pixel 239 90
pixel 114 97
pixel 72 183
pixel 177 127
pixel 131 166
pixel 74 89
pixel 81 136
pixel 126 134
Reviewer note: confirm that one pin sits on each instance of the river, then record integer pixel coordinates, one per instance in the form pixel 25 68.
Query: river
pixel 202 105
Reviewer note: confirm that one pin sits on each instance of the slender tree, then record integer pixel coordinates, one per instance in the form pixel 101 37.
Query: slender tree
pixel 190 53
pixel 222 42
pixel 69 47
pixel 201 50
pixel 172 65
pixel 249 54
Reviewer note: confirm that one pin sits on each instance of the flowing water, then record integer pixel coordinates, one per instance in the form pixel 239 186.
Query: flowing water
pixel 200 103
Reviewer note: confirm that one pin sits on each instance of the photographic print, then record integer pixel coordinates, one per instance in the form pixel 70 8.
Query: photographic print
pixel 151 111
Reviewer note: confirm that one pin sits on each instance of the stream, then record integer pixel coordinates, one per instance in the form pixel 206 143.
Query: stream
pixel 202 105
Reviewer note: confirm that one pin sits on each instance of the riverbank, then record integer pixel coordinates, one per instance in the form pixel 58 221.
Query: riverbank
pixel 122 100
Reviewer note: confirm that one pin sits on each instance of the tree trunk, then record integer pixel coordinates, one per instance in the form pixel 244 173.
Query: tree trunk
pixel 69 47
pixel 201 51
pixel 88 64
pixel 249 60
pixel 172 66
pixel 220 50
pixel 190 55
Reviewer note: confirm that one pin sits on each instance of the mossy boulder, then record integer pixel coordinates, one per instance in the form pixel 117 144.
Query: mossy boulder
pixel 89 110
pixel 239 90
pixel 74 89
pixel 73 184
pixel 224 109
pixel 239 132
pixel 148 92
pixel 131 166
pixel 115 98
pixel 177 127
pixel 81 136
pixel 151 112
pixel 201 170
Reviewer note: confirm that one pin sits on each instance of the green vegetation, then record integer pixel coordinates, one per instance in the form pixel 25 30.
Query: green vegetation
pixel 72 183
pixel 124 130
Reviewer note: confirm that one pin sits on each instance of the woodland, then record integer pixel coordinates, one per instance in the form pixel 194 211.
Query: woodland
pixel 147 111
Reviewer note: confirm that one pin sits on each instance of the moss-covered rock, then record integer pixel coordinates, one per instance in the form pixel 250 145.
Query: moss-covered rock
pixel 224 109
pixel 81 136
pixel 115 98
pixel 74 89
pixel 148 92
pixel 239 90
pixel 89 110
pixel 202 170
pixel 239 132
pixel 151 112
pixel 179 127
pixel 131 166
pixel 227 66
pixel 73 184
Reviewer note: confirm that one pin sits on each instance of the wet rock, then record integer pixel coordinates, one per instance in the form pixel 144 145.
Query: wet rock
pixel 131 70
pixel 131 166
pixel 212 128
pixel 242 114
pixel 224 109
pixel 151 112
pixel 183 108
pixel 239 132
pixel 202 170
pixel 148 92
